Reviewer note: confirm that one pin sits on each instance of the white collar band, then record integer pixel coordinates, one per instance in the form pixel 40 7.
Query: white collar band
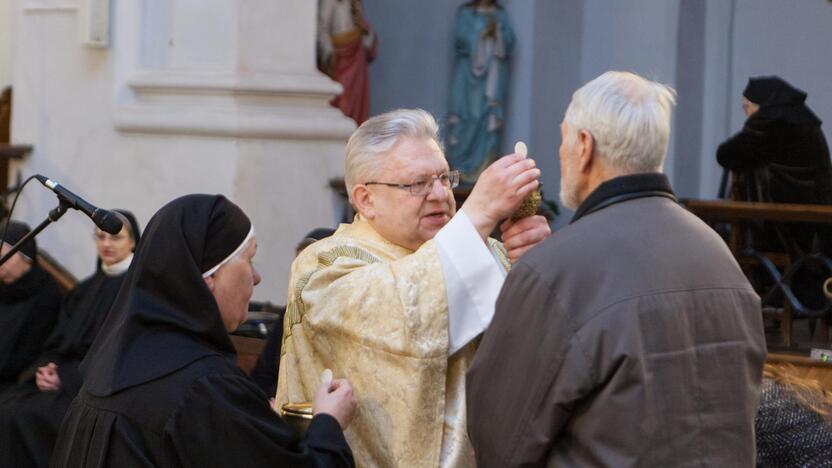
pixel 118 267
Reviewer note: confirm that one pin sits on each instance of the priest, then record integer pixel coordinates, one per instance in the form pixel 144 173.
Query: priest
pixel 395 300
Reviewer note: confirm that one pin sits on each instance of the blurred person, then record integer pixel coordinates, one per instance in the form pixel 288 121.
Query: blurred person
pixel 794 422
pixel 29 302
pixel 31 411
pixel 781 156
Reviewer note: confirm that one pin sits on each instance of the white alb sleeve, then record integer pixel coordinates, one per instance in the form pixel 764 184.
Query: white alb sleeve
pixel 473 278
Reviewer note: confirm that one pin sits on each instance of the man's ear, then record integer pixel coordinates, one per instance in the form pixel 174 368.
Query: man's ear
pixel 209 281
pixel 363 201
pixel 586 143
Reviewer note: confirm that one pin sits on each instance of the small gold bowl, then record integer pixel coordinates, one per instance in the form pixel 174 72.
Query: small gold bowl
pixel 827 288
pixel 297 415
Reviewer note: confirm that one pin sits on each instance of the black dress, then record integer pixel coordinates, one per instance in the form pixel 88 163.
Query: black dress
pixel 30 418
pixel 161 387
pixel 207 414
pixel 28 309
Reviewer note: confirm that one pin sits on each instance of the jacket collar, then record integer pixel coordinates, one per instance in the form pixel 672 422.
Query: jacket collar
pixel 625 188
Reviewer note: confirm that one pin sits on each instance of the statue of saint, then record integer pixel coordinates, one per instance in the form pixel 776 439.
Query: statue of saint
pixel 346 46
pixel 483 42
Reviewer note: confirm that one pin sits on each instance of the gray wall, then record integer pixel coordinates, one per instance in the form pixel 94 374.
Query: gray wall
pixel 706 49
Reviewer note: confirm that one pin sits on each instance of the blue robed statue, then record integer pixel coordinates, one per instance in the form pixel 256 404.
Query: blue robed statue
pixel 483 42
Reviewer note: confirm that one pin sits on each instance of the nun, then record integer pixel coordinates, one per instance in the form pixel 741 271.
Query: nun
pixel 29 302
pixel 161 383
pixel 31 411
pixel 781 156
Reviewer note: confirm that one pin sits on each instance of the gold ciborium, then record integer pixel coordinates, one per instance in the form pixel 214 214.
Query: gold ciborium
pixel 297 415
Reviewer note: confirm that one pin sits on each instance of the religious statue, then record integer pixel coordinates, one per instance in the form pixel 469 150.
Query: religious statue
pixel 483 42
pixel 346 46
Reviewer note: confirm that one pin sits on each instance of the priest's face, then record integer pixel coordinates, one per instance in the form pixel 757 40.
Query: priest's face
pixel 233 284
pixel 17 266
pixel 113 248
pixel 401 217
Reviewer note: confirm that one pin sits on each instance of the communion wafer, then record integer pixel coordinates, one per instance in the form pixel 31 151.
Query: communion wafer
pixel 532 201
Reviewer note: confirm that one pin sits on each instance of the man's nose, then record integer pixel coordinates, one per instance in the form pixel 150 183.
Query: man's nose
pixel 438 191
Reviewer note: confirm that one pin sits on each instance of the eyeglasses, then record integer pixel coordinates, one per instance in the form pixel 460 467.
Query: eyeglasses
pixel 102 236
pixel 419 188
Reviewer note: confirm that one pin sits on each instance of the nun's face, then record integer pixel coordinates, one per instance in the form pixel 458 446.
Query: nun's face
pixel 749 107
pixel 113 248
pixel 233 285
pixel 17 266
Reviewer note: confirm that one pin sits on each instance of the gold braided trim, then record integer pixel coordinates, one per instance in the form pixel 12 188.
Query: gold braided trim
pixel 297 308
pixel 502 254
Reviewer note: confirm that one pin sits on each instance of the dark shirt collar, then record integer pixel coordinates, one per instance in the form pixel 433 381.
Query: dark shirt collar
pixel 628 187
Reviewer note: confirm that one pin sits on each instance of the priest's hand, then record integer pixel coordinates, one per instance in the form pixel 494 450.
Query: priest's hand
pixel 520 236
pixel 47 378
pixel 336 399
pixel 500 190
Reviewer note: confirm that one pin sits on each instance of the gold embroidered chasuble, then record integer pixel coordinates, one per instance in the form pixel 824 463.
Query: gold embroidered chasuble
pixel 377 314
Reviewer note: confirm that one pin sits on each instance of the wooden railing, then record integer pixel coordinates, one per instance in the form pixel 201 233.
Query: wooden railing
pixel 737 212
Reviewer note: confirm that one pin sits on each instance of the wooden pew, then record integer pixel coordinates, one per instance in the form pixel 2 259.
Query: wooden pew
pixel 737 212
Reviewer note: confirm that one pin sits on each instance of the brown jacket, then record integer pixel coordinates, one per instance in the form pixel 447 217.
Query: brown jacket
pixel 629 338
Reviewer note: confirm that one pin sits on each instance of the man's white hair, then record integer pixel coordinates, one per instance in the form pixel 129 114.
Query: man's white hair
pixel 628 117
pixel 377 135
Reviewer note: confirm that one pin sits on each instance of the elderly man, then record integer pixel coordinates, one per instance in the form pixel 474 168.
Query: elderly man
pixel 632 337
pixel 395 300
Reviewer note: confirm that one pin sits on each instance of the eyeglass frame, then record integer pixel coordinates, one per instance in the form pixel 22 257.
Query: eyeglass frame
pixel 453 182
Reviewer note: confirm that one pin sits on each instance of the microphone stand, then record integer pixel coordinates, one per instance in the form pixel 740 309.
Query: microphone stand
pixel 54 215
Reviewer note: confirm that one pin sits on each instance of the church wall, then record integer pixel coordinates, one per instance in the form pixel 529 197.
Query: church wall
pixel 790 39
pixel 189 96
pixel 6 8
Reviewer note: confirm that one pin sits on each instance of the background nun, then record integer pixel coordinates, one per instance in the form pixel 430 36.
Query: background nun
pixel 161 384
pixel 31 411
pixel 29 303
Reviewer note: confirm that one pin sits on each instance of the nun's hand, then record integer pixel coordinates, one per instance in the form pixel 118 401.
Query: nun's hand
pixel 336 399
pixel 47 378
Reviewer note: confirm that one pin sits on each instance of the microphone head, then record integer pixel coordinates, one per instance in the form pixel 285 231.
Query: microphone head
pixel 107 221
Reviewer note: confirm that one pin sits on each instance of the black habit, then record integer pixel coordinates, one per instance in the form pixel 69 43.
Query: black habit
pixel 161 385
pixel 28 308
pixel 30 418
pixel 781 156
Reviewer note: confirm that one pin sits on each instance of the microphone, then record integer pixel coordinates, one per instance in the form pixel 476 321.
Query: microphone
pixel 104 219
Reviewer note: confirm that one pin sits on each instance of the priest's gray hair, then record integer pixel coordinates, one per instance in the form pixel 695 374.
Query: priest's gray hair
pixel 628 117
pixel 377 135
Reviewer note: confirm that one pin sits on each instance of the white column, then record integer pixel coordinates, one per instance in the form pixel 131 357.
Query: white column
pixel 215 96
